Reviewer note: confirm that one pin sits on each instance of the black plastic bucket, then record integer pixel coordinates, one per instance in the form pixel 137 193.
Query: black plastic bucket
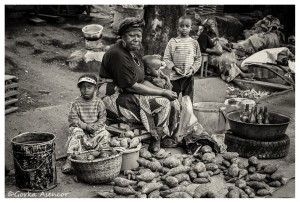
pixel 34 160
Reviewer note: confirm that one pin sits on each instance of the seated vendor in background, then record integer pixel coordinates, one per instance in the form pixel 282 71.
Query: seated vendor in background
pixel 220 55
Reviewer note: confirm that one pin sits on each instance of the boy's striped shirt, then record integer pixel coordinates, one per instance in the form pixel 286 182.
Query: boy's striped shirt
pixel 85 112
pixel 184 54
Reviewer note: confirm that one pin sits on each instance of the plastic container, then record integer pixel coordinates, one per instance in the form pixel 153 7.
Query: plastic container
pixel 92 32
pixel 130 157
pixel 211 116
pixel 34 161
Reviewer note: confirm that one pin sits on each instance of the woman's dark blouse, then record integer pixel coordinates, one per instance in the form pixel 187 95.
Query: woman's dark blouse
pixel 118 64
pixel 205 41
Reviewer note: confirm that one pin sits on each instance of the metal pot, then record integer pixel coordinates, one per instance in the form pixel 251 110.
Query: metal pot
pixel 264 132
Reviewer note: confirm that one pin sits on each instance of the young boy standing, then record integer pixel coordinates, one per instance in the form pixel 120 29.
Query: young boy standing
pixel 86 121
pixel 183 56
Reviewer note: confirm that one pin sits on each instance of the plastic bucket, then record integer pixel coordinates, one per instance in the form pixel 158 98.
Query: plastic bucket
pixel 210 115
pixel 34 161
pixel 130 157
pixel 122 13
pixel 92 32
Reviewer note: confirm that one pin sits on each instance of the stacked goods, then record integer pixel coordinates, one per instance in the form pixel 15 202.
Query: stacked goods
pixel 169 176
pixel 251 179
pixel 125 142
pixel 94 155
pixel 130 147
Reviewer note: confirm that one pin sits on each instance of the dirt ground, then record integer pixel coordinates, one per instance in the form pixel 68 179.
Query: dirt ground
pixel 37 55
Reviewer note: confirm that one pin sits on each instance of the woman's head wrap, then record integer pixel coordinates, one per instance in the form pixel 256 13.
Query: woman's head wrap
pixel 129 24
pixel 210 26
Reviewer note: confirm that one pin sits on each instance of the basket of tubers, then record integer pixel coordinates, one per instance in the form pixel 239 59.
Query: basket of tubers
pixel 97 166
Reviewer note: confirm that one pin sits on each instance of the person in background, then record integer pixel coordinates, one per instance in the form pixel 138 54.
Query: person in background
pixel 183 56
pixel 220 53
pixel 87 119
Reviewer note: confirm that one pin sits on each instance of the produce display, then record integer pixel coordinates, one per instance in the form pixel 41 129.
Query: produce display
pixel 115 143
pixel 170 177
pixel 94 155
pixel 251 179
pixel 125 142
pixel 249 94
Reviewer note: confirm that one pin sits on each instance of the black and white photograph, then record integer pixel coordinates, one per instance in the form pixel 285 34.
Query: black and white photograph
pixel 182 100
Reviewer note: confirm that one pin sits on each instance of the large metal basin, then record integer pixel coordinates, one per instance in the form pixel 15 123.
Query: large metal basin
pixel 265 132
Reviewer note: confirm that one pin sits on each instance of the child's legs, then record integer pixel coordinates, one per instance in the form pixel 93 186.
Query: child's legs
pixel 101 140
pixel 74 143
pixel 188 87
pixel 177 85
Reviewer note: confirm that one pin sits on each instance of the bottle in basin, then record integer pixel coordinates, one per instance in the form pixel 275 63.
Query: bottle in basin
pixel 266 116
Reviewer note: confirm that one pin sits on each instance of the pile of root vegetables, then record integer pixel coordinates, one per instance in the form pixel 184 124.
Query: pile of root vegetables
pixel 250 179
pixel 125 142
pixel 170 176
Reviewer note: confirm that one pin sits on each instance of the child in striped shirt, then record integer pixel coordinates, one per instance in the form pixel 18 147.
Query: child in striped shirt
pixel 183 56
pixel 86 121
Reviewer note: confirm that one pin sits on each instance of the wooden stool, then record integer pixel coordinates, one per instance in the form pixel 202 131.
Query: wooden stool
pixel 204 64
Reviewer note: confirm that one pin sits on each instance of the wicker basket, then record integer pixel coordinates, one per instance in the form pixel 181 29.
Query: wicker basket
pixel 101 170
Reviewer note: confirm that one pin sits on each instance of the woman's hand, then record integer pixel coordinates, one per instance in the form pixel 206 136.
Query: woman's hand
pixel 170 94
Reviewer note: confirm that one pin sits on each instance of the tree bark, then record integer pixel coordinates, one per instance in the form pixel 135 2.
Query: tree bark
pixel 161 26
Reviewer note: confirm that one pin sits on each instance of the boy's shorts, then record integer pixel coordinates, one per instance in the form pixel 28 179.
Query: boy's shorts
pixel 184 86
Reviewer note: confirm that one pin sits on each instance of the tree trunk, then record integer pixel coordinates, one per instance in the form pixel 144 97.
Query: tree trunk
pixel 161 26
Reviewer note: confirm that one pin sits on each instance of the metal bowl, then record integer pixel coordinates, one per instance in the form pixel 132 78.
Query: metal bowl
pixel 264 132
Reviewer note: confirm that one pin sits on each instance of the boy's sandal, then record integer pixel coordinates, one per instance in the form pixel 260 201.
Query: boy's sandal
pixel 169 143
